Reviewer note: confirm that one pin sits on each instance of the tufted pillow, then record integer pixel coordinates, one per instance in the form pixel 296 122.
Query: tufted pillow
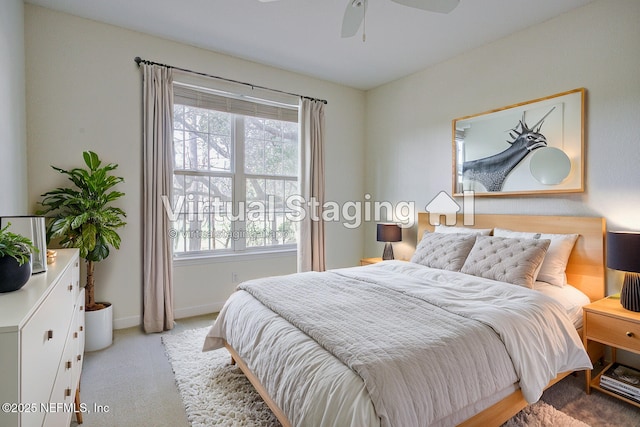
pixel 460 230
pixel 507 260
pixel 555 261
pixel 443 251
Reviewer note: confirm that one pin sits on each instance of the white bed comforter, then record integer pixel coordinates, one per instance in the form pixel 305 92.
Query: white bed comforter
pixel 427 343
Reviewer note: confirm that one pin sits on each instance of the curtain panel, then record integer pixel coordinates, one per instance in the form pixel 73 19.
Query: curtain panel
pixel 311 248
pixel 157 181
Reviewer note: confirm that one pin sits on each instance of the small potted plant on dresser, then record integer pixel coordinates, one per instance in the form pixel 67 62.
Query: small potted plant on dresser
pixel 15 260
pixel 84 217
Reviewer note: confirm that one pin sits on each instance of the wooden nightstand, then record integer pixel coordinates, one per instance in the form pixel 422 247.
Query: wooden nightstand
pixel 606 322
pixel 367 261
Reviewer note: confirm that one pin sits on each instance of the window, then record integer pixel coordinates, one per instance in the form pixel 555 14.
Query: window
pixel 236 163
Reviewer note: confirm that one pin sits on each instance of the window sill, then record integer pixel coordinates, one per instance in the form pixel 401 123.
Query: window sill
pixel 233 257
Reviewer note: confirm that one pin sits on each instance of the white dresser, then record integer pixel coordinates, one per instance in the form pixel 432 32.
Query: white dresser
pixel 42 346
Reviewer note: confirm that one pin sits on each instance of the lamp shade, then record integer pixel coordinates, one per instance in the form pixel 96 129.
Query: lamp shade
pixel 389 233
pixel 623 251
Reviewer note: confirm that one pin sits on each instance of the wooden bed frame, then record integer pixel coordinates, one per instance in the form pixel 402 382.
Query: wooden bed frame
pixel 585 271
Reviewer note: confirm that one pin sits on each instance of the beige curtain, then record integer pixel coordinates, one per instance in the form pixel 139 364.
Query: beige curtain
pixel 311 251
pixel 157 181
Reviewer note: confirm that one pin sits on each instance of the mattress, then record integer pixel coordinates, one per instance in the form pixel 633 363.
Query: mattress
pixel 571 298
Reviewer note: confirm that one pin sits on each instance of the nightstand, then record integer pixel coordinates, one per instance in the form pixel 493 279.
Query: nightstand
pixel 367 261
pixel 606 322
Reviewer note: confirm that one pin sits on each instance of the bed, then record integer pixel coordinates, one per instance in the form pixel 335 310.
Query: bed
pixel 344 347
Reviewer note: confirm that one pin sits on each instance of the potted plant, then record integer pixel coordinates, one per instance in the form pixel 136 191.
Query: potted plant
pixel 15 260
pixel 83 217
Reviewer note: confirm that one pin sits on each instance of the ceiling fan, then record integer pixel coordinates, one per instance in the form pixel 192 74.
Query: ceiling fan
pixel 356 11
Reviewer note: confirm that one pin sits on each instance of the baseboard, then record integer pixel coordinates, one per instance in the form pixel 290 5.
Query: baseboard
pixel 214 307
pixel 127 322
pixel 180 313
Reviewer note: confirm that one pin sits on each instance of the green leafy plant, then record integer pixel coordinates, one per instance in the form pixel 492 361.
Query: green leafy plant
pixel 83 217
pixel 15 245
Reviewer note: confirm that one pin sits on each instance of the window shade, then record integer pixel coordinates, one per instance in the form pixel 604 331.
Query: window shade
pixel 203 98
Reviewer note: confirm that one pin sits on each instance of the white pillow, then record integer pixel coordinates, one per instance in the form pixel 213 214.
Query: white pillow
pixel 462 230
pixel 555 261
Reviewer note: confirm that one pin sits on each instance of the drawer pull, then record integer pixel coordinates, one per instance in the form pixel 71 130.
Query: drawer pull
pixel 49 334
pixel 629 334
pixel 68 364
pixel 70 287
pixel 81 328
pixel 75 335
pixel 67 392
pixel 79 357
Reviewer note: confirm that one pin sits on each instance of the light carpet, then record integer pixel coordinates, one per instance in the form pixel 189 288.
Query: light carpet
pixel 216 393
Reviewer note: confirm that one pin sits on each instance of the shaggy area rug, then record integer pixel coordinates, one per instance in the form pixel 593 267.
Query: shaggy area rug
pixel 216 393
pixel 542 414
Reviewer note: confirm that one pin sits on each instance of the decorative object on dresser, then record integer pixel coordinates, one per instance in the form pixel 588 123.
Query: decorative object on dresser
pixel 623 253
pixel 84 217
pixel 15 260
pixel 33 228
pixel 388 233
pixel 42 347
pixel 607 322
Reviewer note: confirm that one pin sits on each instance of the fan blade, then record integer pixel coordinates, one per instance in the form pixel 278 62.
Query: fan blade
pixel 352 20
pixel 440 6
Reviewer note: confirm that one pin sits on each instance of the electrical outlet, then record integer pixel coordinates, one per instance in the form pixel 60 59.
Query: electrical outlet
pixel 234 277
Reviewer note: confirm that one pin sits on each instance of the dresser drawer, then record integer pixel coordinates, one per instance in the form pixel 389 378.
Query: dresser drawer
pixel 78 338
pixel 63 392
pixel 43 339
pixel 613 331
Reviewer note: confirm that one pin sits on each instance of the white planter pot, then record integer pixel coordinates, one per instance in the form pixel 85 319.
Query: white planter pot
pixel 99 328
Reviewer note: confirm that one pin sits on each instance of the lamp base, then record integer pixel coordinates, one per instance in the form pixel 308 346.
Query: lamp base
pixel 630 294
pixel 388 252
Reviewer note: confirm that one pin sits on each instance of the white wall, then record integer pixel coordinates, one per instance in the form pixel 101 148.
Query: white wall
pixel 408 152
pixel 13 140
pixel 84 92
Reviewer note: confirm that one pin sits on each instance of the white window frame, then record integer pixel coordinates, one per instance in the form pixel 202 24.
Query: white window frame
pixel 238 176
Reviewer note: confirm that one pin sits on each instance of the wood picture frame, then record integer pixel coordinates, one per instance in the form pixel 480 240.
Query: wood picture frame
pixel 533 147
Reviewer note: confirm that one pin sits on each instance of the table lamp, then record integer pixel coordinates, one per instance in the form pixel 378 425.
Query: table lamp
pixel 389 233
pixel 623 253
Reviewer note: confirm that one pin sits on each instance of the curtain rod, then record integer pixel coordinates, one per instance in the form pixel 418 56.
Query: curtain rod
pixel 252 86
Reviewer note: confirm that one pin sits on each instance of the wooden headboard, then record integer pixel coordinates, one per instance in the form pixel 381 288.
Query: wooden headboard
pixel 585 269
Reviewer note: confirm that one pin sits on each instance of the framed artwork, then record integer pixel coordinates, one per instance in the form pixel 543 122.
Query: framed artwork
pixel 528 148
